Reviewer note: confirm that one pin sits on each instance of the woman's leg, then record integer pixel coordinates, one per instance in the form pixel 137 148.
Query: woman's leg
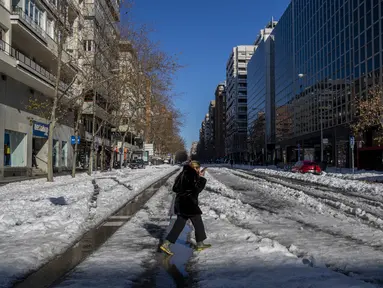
pixel 176 229
pixel 200 234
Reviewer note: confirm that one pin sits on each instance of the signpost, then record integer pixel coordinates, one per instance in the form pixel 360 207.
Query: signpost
pixel 352 145
pixel 73 140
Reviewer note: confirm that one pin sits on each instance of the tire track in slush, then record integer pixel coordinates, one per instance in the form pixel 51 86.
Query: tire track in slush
pixel 360 208
pixel 327 236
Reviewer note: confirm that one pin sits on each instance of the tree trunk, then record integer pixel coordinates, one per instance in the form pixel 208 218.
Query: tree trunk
pixel 50 148
pixel 76 135
pixel 103 150
pixel 52 123
pixel 112 156
pixel 123 146
pixel 92 148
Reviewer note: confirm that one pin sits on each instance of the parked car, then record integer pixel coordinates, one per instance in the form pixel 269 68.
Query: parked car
pixel 137 164
pixel 306 167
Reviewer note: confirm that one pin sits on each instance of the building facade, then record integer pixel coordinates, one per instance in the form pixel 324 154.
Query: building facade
pixel 220 121
pixel 236 99
pixel 211 128
pixel 99 37
pixel 261 98
pixel 201 148
pixel 30 37
pixel 326 53
pixel 194 150
pixel 28 67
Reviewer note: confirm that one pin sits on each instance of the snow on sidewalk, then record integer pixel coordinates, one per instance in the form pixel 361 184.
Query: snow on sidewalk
pixel 130 251
pixel 39 220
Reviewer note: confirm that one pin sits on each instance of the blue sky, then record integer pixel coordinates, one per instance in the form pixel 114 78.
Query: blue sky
pixel 203 32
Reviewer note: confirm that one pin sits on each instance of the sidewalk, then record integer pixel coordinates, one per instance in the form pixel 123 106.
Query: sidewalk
pixel 40 219
pixel 8 180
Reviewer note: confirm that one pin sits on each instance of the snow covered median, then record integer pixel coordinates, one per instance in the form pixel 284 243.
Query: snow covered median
pixel 39 220
pixel 347 182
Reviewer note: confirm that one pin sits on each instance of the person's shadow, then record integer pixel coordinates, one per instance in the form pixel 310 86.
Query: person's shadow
pixel 58 201
pixel 173 271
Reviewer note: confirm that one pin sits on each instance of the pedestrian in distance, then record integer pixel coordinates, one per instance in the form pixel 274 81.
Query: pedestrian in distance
pixel 187 186
pixel 231 163
pixel 34 160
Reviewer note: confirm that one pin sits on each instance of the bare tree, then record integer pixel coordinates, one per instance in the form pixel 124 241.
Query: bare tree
pixel 59 107
pixel 369 115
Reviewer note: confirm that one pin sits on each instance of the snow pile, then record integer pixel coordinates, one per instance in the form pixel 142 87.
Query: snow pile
pixel 363 175
pixel 39 220
pixel 320 235
pixel 239 258
pixel 348 185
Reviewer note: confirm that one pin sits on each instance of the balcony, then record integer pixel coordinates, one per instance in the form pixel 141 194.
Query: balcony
pixel 32 74
pixel 28 35
pixel 100 112
pixel 93 10
pixel 18 15
pixel 4 16
pixel 114 9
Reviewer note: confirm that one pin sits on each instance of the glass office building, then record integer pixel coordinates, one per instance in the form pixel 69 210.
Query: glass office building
pixel 326 53
pixel 260 99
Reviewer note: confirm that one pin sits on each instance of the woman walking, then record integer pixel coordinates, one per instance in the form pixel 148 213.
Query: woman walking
pixel 188 184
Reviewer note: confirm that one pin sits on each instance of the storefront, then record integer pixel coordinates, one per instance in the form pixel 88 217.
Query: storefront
pixel 22 135
pixel 15 152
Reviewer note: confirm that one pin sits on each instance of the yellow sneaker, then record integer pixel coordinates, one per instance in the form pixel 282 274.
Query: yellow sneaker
pixel 202 246
pixel 166 248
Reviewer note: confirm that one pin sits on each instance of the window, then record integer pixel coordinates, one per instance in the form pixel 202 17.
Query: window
pixel 35 13
pixel 64 154
pixel 88 45
pixel 14 149
pixel 55 155
pixel 50 29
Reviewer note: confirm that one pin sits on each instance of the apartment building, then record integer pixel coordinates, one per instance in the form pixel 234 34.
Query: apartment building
pixel 29 45
pixel 201 148
pixel 220 120
pixel 28 67
pixel 193 150
pixel 100 48
pixel 236 99
pixel 261 98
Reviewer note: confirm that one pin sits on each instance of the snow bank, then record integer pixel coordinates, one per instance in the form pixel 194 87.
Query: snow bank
pixel 346 182
pixel 239 258
pixel 39 220
pixel 315 232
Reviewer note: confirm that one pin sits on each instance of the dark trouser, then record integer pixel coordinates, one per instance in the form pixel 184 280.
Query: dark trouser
pixel 179 225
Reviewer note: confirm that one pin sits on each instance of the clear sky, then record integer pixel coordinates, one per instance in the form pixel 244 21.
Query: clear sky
pixel 203 32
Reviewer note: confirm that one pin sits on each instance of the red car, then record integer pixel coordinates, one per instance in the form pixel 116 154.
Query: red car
pixel 306 167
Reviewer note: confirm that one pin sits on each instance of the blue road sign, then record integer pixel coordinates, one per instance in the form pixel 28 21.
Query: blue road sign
pixel 73 140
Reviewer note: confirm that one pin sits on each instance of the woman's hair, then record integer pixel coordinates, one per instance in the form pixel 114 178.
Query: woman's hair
pixel 195 164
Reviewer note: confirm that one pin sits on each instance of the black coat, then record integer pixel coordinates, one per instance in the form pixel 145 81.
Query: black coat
pixel 186 203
